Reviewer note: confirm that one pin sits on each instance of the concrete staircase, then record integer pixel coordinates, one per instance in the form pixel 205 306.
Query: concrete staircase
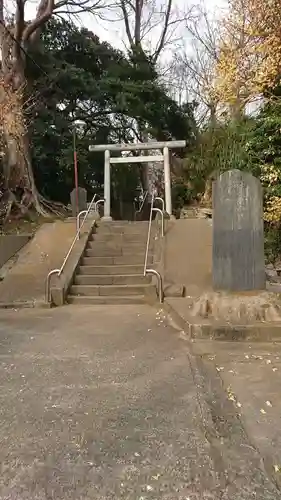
pixel 111 269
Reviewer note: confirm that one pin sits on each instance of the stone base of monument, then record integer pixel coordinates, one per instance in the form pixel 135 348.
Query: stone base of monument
pixel 228 316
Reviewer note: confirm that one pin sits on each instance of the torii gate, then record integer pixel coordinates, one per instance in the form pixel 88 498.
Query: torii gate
pixel 141 146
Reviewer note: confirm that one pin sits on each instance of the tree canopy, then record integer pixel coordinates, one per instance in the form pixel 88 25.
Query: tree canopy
pixel 77 81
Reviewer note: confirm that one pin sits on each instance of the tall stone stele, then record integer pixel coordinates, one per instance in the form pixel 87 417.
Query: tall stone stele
pixel 82 200
pixel 238 238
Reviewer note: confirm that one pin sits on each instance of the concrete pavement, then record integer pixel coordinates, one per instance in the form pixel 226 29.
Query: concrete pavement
pixel 250 373
pixel 99 403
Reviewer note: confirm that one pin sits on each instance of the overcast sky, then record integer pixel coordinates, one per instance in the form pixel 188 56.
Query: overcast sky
pixel 114 33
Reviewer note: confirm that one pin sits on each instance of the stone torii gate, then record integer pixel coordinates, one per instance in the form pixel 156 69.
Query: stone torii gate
pixel 141 146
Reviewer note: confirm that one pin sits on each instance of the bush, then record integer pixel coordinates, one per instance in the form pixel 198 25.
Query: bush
pixel 181 195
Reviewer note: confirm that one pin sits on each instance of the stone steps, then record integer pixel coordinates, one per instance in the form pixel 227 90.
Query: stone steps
pixel 103 251
pixel 133 238
pixel 108 290
pixel 119 260
pixel 114 243
pixel 111 300
pixel 124 230
pixel 114 279
pixel 111 269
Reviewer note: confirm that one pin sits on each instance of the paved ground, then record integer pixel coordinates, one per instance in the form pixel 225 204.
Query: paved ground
pixel 25 280
pixel 251 375
pixel 99 404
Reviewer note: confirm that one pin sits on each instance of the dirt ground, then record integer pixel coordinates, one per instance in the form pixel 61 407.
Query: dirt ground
pixel 28 225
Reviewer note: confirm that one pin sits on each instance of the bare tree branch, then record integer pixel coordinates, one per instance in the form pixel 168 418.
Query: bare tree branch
pixel 44 13
pixel 1 11
pixel 127 24
pixel 164 32
pixel 193 66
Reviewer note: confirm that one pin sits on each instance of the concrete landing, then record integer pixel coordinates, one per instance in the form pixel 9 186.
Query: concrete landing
pixel 24 283
pixel 250 374
pixel 109 405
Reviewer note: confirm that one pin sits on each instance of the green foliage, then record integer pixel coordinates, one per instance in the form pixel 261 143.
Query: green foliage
pixel 264 147
pixel 272 243
pixel 252 144
pixel 86 81
pixel 218 148
pixel 181 194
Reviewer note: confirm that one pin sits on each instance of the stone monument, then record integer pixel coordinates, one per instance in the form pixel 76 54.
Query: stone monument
pixel 238 238
pixel 82 200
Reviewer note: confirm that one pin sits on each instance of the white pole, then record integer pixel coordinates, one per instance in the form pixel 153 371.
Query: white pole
pixel 167 180
pixel 106 215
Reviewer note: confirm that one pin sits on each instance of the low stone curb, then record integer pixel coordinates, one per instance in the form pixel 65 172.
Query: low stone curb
pixel 198 329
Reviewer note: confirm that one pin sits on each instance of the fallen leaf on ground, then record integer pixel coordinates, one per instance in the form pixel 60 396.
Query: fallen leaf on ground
pixel 156 477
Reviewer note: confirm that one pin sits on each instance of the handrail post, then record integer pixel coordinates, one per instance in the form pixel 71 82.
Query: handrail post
pixel 48 283
pixel 83 212
pixel 158 210
pixel 158 198
pixel 160 283
pixel 153 271
pixel 77 236
pixel 148 235
pixel 102 200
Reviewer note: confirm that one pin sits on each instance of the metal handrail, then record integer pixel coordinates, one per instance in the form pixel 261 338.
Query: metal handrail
pixel 102 200
pixel 159 211
pixel 153 271
pixel 158 198
pixel 84 212
pixel 148 235
pixel 160 283
pixel 142 203
pixel 58 272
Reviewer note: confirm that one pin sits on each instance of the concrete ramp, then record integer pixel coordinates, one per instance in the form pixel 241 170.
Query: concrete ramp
pixel 25 281
pixel 188 254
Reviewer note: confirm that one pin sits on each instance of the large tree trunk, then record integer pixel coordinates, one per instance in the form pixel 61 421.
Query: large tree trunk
pixel 18 172
pixel 19 185
pixel 17 165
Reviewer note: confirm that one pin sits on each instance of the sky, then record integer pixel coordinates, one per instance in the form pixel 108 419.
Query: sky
pixel 114 31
